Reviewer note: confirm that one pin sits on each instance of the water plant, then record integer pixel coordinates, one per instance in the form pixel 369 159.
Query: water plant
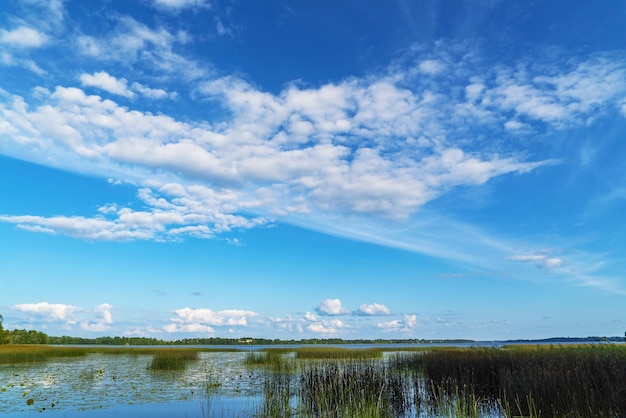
pixel 17 354
pixel 337 353
pixel 576 381
pixel 352 388
pixel 173 359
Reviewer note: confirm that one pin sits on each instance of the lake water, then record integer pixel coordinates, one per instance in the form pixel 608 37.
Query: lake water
pixel 100 385
pixel 121 385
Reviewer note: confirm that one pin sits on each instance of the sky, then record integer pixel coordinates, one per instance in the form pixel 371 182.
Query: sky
pixel 313 169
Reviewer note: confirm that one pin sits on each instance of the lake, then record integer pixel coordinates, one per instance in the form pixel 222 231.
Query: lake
pixel 99 385
pixel 217 384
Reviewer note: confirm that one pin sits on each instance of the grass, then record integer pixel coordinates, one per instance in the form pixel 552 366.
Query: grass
pixel 17 354
pixel 336 353
pixel 539 381
pixel 165 358
pixel 352 388
pixel 173 359
pixel 530 381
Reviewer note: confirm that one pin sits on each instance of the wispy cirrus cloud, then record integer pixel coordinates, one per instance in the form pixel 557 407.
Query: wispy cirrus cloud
pixel 540 260
pixel 131 42
pixel 177 5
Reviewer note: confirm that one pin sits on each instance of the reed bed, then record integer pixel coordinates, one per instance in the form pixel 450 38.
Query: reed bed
pixel 336 353
pixel 354 388
pixel 273 360
pixel 18 354
pixel 173 359
pixel 554 381
pixel 29 353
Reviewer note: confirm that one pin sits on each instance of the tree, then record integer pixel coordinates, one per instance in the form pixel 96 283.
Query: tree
pixel 5 338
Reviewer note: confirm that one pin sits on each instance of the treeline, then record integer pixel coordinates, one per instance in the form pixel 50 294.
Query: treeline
pixel 67 340
pixel 22 336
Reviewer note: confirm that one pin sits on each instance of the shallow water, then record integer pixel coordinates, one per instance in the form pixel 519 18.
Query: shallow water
pixel 103 384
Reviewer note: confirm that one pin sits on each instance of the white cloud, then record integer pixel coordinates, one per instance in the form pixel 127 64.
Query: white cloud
pixel 103 313
pixel 308 316
pixel 431 67
pixel 326 327
pixel 22 37
pixel 54 311
pixel 540 260
pixel 181 4
pixel 188 328
pixel 104 81
pixel 150 92
pixel 359 158
pixel 203 318
pixel 331 307
pixel 373 309
pixel 130 42
pixel 405 324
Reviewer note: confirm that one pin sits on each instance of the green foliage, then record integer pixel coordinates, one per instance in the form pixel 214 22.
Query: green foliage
pixel 22 336
pixel 4 335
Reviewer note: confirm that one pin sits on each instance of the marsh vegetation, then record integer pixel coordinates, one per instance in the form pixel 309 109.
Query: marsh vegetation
pixel 515 381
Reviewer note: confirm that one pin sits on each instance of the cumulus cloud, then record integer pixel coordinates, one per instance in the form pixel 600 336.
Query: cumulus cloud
pixel 204 319
pixel 198 212
pixel 431 67
pixel 308 316
pixel 373 309
pixel 540 260
pixel 405 324
pixel 101 322
pixel 380 147
pixel 52 311
pixel 331 307
pixel 326 327
pixel 104 81
pixel 151 93
pixel 22 37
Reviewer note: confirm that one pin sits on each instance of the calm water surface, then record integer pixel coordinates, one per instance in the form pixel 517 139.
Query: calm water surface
pixel 121 385
pixel 104 385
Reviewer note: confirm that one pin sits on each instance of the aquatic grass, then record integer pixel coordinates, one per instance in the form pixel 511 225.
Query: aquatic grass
pixel 19 354
pixel 336 353
pixel 542 381
pixel 274 360
pixel 172 359
pixel 352 388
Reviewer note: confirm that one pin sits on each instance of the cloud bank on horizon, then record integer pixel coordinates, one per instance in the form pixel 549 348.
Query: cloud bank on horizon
pixel 375 155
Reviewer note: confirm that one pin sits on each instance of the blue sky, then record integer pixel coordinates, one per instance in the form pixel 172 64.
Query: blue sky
pixel 292 169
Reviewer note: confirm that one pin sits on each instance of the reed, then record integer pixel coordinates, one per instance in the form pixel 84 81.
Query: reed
pixel 336 353
pixel 577 381
pixel 274 360
pixel 278 392
pixel 172 359
pixel 18 354
pixel 352 388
